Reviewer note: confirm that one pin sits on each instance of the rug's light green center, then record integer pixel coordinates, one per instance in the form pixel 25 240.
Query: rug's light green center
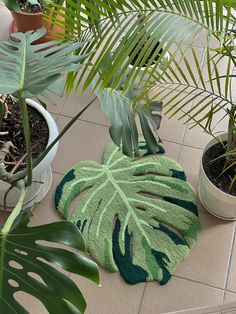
pixel 138 216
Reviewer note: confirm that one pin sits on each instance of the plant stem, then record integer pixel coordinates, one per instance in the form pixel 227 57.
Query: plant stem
pixel 26 127
pixel 231 141
pixel 21 174
pixel 16 211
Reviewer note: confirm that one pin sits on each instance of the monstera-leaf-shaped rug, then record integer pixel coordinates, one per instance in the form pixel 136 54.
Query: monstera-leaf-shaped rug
pixel 138 216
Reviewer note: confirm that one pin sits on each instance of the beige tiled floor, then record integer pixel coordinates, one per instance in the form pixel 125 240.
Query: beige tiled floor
pixel 207 277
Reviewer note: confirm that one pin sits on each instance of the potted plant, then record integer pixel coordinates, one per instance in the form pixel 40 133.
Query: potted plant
pixel 177 24
pixel 43 132
pixel 21 68
pixel 28 15
pixel 28 70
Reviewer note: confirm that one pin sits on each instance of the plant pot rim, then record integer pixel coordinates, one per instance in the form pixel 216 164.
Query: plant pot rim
pixel 211 143
pixel 45 114
pixel 27 13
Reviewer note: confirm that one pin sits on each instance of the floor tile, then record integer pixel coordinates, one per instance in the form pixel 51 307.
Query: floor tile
pixel 84 141
pixel 202 310
pixel 95 114
pixel 113 296
pixel 197 137
pixel 208 260
pixel 77 100
pixel 190 159
pixel 172 129
pixel 171 149
pixel 229 297
pixel 231 284
pixel 30 303
pixel 55 103
pixel 178 294
pixel 228 308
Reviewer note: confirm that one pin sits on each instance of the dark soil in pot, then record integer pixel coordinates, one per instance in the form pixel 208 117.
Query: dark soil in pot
pixel 13 125
pixel 214 169
pixel 25 6
pixel 150 56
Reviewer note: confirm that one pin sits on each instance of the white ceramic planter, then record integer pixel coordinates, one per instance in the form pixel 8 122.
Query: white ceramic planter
pixel 215 201
pixel 41 173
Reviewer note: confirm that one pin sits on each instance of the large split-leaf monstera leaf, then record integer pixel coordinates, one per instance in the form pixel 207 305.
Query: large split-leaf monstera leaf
pixel 137 215
pixel 29 69
pixel 22 258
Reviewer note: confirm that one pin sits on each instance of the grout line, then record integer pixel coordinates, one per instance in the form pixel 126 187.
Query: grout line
pixel 84 120
pixel 183 145
pixel 107 126
pixel 56 172
pixel 198 282
pixel 230 291
pixel 142 298
pixel 229 261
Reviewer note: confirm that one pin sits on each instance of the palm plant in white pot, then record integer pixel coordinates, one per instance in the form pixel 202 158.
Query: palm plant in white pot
pixel 175 25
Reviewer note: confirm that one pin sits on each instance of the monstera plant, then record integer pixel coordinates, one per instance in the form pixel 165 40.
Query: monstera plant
pixel 29 70
pixel 122 110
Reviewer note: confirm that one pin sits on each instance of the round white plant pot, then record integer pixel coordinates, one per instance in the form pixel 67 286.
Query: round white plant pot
pixel 217 202
pixel 42 175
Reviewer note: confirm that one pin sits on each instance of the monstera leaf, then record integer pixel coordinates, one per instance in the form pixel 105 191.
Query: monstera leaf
pixel 137 215
pixel 122 111
pixel 121 108
pixel 22 257
pixel 29 69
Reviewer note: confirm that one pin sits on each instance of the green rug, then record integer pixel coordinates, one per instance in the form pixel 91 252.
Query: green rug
pixel 138 216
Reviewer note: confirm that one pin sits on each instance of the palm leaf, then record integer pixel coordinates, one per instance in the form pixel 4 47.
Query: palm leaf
pixel 206 86
pixel 168 20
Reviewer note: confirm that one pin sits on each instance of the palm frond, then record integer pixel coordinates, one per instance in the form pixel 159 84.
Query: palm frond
pixel 204 85
pixel 145 23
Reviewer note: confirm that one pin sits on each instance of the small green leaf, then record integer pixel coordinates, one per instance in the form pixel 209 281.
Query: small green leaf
pixel 12 5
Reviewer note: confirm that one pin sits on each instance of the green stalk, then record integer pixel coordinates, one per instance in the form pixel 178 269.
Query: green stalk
pixel 17 208
pixel 1 113
pixel 231 141
pixel 26 127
